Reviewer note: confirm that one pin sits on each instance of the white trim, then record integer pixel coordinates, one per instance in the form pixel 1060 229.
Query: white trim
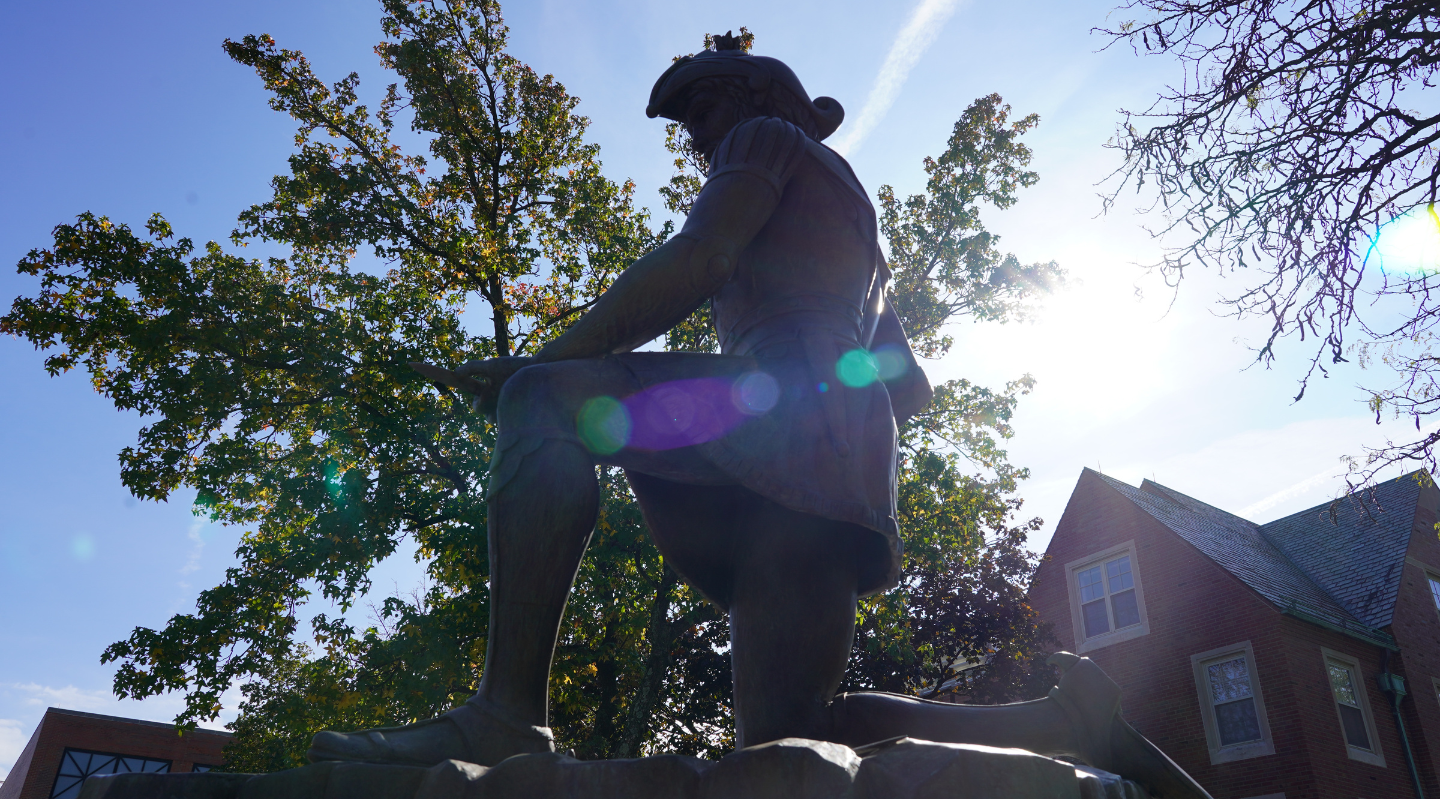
pixel 1082 644
pixel 1244 751
pixel 1374 757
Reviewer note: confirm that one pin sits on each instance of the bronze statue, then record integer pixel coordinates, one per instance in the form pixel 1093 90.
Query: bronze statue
pixel 766 477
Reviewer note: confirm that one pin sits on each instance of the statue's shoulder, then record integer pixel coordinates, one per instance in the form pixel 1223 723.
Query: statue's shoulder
pixel 768 146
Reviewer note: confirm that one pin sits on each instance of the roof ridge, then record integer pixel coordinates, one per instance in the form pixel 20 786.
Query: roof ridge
pixel 1259 530
pixel 1323 505
pixel 1166 498
pixel 1173 494
pixel 1370 593
pixel 145 722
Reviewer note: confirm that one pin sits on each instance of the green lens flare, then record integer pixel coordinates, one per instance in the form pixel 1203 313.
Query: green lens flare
pixel 604 425
pixel 857 369
pixel 891 363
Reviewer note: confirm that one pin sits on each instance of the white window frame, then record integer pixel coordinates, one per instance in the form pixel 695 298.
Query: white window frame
pixel 1242 751
pixel 1072 571
pixel 1362 695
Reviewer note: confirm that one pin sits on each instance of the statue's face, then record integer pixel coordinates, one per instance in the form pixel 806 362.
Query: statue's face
pixel 709 116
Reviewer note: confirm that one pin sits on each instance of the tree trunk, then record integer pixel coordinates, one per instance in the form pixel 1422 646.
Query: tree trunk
pixel 661 634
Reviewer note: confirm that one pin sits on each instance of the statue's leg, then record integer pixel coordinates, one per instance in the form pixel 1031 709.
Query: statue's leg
pixel 542 508
pixel 540 522
pixel 792 620
pixel 792 616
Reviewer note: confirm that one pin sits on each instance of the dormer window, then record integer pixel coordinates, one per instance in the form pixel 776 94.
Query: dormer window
pixel 1106 598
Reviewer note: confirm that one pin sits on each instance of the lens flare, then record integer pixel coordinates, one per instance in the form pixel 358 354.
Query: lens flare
pixel 755 393
pixel 683 413
pixel 1409 244
pixel 604 425
pixel 335 481
pixel 857 368
pixel 82 547
pixel 890 362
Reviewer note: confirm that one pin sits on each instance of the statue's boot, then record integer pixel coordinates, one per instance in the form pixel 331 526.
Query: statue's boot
pixel 1101 738
pixel 475 732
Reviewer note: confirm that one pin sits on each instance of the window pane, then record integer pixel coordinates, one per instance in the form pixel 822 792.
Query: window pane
pixel 1343 684
pixel 1435 591
pixel 1090 588
pixel 1127 613
pixel 1354 722
pixel 69 766
pixel 1119 573
pixel 1095 621
pixel 1229 680
pixel 1237 722
pixel 101 764
pixel 76 766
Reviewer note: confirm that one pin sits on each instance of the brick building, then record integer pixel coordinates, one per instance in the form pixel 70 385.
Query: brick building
pixel 68 746
pixel 1263 658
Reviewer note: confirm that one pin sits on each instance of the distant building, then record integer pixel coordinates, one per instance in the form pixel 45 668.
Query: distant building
pixel 69 746
pixel 1274 660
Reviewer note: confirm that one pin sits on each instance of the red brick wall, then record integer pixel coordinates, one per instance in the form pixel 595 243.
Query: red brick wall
pixel 1416 627
pixel 62 729
pixel 1193 606
pixel 1321 743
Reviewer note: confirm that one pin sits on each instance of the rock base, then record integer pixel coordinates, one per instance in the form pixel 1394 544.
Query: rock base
pixel 792 768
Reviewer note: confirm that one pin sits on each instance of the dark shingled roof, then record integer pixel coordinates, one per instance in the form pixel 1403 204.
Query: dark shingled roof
pixel 1344 573
pixel 1358 557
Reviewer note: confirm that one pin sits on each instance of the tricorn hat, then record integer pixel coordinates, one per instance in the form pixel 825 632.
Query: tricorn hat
pixel 667 98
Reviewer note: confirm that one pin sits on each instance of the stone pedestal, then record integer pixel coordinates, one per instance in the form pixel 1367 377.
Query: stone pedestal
pixel 792 768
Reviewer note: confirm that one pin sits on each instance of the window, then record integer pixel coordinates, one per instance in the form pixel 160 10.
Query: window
pixel 76 765
pixel 1232 707
pixel 1106 598
pixel 1357 726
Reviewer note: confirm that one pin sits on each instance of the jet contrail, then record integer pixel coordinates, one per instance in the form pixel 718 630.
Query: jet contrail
pixel 913 40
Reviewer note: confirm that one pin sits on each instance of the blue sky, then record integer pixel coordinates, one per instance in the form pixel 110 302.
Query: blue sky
pixel 128 109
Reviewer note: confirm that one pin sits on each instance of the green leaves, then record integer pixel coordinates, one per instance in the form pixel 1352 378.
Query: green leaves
pixel 959 623
pixel 945 262
pixel 515 210
pixel 277 389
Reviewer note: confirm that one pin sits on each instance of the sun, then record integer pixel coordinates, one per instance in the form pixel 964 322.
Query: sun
pixel 1409 244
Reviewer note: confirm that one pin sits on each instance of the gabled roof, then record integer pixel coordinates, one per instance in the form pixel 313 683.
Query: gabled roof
pixel 1358 557
pixel 1343 573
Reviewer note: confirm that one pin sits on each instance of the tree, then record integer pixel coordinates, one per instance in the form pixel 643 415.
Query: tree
pixel 1300 131
pixel 277 390
pixel 958 623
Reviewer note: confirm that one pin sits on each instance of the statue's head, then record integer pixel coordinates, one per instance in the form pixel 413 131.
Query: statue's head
pixel 713 91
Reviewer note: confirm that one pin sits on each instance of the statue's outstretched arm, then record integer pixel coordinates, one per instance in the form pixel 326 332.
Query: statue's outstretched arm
pixel 662 288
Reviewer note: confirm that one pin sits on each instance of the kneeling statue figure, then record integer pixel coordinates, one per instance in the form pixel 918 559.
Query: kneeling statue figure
pixel 767 480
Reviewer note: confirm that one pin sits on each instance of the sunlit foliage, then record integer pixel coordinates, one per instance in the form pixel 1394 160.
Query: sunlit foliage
pixel 277 390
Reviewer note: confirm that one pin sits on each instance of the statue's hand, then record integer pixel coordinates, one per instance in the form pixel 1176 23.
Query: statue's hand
pixel 490 375
pixel 482 380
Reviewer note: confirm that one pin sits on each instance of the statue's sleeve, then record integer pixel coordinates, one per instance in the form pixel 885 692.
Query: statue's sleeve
pixel 767 147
